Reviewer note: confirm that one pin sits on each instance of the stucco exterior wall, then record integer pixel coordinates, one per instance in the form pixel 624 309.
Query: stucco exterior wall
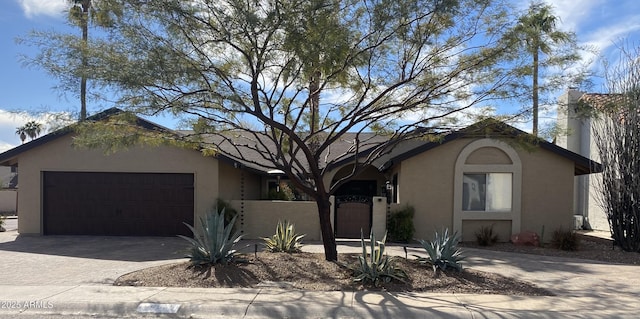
pixel 379 216
pixel 547 191
pixel 8 200
pixel 579 139
pixel 427 184
pixel 60 155
pixel 262 216
pixel 235 181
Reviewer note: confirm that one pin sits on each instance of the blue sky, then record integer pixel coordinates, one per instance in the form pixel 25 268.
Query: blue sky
pixel 598 23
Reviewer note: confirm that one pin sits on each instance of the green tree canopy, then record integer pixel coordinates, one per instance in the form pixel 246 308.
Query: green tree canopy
pixel 285 79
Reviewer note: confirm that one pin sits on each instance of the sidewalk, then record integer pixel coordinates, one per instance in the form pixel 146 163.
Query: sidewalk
pixel 276 303
pixel 583 290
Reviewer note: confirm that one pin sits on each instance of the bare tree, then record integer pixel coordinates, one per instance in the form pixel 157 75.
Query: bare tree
pixel 616 133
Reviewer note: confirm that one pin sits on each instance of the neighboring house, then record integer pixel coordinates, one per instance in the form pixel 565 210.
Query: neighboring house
pixel 486 174
pixel 579 139
pixel 8 189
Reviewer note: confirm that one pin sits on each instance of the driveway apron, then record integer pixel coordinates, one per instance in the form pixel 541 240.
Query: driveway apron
pixel 80 260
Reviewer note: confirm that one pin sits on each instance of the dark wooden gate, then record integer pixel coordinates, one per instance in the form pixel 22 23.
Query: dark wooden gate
pixel 353 213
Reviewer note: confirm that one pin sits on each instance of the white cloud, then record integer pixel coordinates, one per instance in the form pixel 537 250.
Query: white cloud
pixel 52 8
pixel 607 36
pixel 574 14
pixel 5 146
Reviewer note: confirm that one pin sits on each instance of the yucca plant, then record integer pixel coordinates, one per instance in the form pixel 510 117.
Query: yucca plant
pixel 214 245
pixel 376 266
pixel 285 239
pixel 443 251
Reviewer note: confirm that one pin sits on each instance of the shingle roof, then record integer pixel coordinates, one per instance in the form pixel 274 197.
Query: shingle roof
pixel 240 147
pixel 237 148
pixel 495 128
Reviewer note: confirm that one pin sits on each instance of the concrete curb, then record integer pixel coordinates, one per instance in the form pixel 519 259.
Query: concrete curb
pixel 114 301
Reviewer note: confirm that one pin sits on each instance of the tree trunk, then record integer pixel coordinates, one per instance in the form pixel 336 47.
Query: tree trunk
pixel 535 93
pixel 83 80
pixel 328 237
pixel 314 105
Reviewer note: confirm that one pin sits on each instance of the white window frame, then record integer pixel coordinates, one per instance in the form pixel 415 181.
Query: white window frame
pixel 498 202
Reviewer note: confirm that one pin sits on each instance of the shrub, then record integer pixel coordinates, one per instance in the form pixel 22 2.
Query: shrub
pixel 486 237
pixel 285 239
pixel 214 245
pixel 443 252
pixel 376 267
pixel 401 224
pixel 565 239
pixel 284 193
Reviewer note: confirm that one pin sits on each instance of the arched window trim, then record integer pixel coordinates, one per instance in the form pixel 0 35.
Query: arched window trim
pixel 461 168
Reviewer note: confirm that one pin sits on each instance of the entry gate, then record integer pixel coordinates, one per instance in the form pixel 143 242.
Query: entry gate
pixel 353 213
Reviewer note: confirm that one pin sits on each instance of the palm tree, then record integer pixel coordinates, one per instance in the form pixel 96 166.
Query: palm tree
pixel 80 13
pixel 32 129
pixel 22 132
pixel 538 28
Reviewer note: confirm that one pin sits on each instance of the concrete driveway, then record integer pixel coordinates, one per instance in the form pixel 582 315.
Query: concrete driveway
pixel 80 260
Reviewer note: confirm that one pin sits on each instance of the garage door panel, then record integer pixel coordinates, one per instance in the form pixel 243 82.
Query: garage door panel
pixel 133 204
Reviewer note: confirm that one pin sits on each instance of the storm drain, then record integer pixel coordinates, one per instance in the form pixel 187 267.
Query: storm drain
pixel 148 307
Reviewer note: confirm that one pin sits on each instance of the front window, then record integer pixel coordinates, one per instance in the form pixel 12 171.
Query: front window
pixel 487 192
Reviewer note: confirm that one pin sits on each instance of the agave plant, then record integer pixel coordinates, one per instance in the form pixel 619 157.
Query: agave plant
pixel 214 245
pixel 376 266
pixel 285 239
pixel 443 251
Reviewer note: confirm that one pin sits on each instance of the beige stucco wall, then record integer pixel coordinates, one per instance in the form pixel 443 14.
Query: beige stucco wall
pixel 8 200
pixel 235 181
pixel 261 217
pixel 60 155
pixel 379 216
pixel 547 192
pixel 426 183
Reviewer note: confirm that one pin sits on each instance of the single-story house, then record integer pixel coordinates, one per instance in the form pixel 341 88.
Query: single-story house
pixel 486 174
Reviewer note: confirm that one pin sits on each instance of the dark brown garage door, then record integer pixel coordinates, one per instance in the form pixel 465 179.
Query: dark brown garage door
pixel 118 204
